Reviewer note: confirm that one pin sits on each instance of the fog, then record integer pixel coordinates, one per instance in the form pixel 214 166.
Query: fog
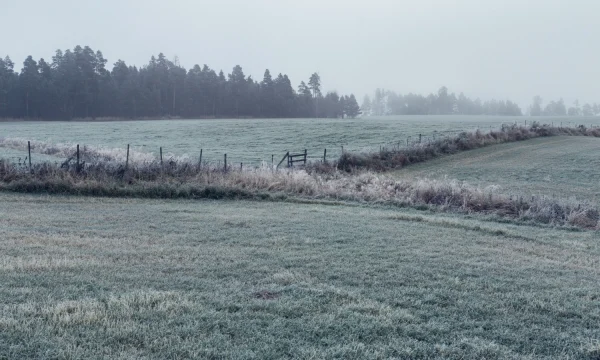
pixel 488 49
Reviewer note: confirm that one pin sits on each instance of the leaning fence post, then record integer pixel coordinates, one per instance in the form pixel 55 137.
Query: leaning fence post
pixel 127 159
pixel 77 157
pixel 200 161
pixel 29 150
pixel 287 154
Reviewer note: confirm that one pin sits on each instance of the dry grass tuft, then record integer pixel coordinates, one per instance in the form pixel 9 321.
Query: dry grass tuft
pixel 266 295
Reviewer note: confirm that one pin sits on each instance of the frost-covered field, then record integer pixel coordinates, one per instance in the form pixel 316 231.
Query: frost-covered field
pixel 555 167
pixel 243 140
pixel 131 278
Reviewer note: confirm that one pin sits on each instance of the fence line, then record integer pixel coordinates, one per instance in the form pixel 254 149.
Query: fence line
pixel 293 158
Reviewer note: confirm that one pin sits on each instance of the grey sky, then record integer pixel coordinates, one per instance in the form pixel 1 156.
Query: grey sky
pixel 503 48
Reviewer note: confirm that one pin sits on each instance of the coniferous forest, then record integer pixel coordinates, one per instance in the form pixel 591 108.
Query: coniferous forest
pixel 77 84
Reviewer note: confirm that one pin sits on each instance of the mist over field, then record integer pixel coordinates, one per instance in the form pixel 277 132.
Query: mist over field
pixel 487 49
pixel 283 179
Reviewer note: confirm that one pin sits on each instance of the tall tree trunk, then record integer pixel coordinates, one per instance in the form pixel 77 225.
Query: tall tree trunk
pixel 173 99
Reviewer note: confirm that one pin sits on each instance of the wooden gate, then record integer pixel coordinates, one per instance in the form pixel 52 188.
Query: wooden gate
pixel 294 158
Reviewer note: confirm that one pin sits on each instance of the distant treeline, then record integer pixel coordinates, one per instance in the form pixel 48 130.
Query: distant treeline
pixel 77 84
pixel 558 108
pixel 385 102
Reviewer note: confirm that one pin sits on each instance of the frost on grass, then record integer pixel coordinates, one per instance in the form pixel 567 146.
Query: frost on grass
pixel 109 310
pixel 36 263
pixel 87 153
pixel 183 180
pixel 335 181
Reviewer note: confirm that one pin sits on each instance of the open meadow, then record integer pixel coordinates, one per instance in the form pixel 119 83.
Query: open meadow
pixel 250 141
pixel 557 167
pixel 320 262
pixel 88 278
pixel 300 180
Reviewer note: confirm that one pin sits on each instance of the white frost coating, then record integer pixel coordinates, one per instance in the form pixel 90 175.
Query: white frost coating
pixel 87 153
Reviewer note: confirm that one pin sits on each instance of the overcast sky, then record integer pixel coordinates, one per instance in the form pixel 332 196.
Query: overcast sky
pixel 490 49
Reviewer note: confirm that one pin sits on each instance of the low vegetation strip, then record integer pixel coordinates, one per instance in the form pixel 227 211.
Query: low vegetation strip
pixel 389 159
pixel 322 181
pixel 186 181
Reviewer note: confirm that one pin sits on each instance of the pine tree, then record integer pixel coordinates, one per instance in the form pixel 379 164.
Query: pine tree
pixel 29 82
pixel 352 108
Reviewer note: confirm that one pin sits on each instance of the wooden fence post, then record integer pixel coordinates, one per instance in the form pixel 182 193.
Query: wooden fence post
pixel 127 159
pixel 325 155
pixel 241 166
pixel 272 160
pixel 161 158
pixel 305 157
pixel 225 162
pixel 200 161
pixel 284 157
pixel 419 138
pixel 29 150
pixel 77 157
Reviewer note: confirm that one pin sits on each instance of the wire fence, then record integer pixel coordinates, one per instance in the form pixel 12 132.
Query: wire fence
pixel 33 153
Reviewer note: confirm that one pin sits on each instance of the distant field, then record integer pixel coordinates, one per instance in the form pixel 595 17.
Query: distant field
pixel 557 166
pixel 122 278
pixel 252 141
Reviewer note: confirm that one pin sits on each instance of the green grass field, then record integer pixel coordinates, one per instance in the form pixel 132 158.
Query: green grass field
pixel 555 167
pixel 84 278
